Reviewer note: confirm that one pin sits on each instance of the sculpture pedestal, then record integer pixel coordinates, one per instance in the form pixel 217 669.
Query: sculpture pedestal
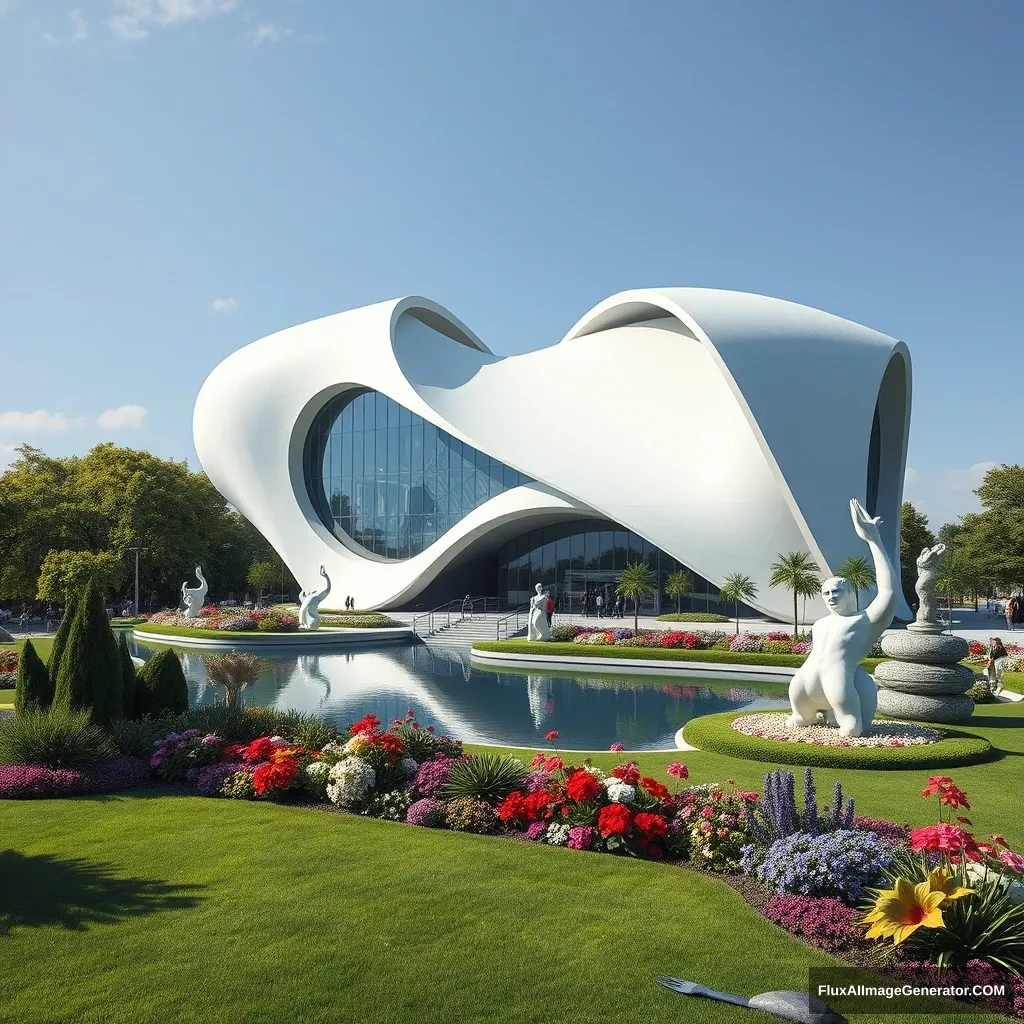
pixel 925 682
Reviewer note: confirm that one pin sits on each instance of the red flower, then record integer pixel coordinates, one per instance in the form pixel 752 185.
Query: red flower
pixel 540 804
pixel 371 723
pixel 277 774
pixel 516 807
pixel 650 826
pixel 258 750
pixel 937 784
pixel 430 728
pixel 678 770
pixel 551 736
pixel 582 785
pixel 233 752
pixel 552 764
pixel 538 759
pixel 943 838
pixel 392 743
pixel 628 773
pixel 999 840
pixel 953 798
pixel 656 789
pixel 614 820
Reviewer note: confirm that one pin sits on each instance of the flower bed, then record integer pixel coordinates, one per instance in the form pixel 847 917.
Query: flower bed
pixel 229 620
pixel 8 670
pixel 23 781
pixel 954 747
pixel 774 726
pixel 690 640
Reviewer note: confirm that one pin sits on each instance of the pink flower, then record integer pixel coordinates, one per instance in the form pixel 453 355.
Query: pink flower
pixel 617 748
pixel 552 736
pixel 1014 861
pixel 678 770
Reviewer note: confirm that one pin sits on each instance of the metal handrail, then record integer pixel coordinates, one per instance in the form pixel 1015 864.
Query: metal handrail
pixel 503 621
pixel 462 604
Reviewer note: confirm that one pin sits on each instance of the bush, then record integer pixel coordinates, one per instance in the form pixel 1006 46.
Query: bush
pixel 165 685
pixel 467 814
pixel 21 781
pixel 56 738
pixel 367 620
pixel 488 777
pixel 839 864
pixel 128 680
pixel 432 776
pixel 820 920
pixel 33 688
pixel 391 806
pixel 60 640
pixel 269 623
pixel 133 737
pixel 425 812
pixel 89 675
pixel 981 693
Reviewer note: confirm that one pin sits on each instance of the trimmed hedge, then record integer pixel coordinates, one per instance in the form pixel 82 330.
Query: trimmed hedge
pixel 34 689
pixel 129 684
pixel 693 617
pixel 715 733
pixel 649 653
pixel 229 634
pixel 161 687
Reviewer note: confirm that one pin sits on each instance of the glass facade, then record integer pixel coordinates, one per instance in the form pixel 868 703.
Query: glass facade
pixel 389 480
pixel 578 560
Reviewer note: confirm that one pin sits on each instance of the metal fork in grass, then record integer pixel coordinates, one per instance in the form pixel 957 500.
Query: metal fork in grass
pixel 798 1006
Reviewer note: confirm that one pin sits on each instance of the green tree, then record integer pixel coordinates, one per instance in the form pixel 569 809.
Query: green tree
pixel 636 581
pixel 165 685
pixel 797 572
pixel 857 571
pixel 61 638
pixel 89 676
pixel 65 572
pixel 736 589
pixel 914 537
pixel 678 584
pixel 128 680
pixel 953 578
pixel 33 689
pixel 262 575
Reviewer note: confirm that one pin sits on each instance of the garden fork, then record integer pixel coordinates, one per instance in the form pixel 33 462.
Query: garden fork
pixel 796 1006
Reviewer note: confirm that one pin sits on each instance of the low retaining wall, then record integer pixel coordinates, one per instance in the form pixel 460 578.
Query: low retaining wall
pixel 326 636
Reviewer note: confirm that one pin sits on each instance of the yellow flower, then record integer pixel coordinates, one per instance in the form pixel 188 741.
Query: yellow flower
pixel 358 745
pixel 900 911
pixel 939 881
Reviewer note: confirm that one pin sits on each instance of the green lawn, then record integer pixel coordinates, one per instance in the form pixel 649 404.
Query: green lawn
pixel 41 644
pixel 124 909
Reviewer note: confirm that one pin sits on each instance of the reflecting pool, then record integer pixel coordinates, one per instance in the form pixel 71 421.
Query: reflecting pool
pixel 477 705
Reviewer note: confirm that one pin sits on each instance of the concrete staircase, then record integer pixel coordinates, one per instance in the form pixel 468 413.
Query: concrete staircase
pixel 465 632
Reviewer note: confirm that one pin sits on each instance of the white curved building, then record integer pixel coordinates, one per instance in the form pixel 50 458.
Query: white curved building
pixel 712 429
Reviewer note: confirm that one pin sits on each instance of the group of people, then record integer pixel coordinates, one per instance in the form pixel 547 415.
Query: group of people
pixel 595 604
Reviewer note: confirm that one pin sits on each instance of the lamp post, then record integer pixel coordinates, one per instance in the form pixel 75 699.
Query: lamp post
pixel 137 551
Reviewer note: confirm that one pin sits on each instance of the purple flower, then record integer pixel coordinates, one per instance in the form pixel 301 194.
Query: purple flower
pixel 823 922
pixel 580 838
pixel 425 812
pixel 536 830
pixel 19 781
pixel 432 776
pixel 535 782
pixel 209 780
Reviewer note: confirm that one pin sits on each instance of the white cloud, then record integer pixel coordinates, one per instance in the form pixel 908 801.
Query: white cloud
pixel 7 456
pixel 79 26
pixel 909 476
pixel 134 19
pixel 40 420
pixel 946 494
pixel 228 305
pixel 124 417
pixel 266 32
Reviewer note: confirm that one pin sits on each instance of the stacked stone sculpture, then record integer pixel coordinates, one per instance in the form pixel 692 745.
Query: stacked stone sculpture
pixel 925 682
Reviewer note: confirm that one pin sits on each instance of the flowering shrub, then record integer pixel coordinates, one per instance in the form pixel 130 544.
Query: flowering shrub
pixel 467 814
pixel 350 782
pixel 179 752
pixel 227 618
pixel 776 647
pixel 840 864
pixel 211 779
pixel 425 812
pixel 21 781
pixel 393 805
pixel 889 832
pixel 8 670
pixel 820 920
pixel 713 826
pixel 746 643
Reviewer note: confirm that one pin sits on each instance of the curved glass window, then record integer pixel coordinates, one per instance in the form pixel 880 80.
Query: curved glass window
pixel 580 560
pixel 391 481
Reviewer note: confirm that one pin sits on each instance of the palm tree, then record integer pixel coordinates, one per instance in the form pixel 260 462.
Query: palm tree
pixel 797 572
pixel 635 582
pixel 858 573
pixel 678 584
pixel 736 588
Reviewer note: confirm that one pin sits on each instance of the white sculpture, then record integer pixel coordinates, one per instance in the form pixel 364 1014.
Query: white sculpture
pixel 194 598
pixel 309 614
pixel 928 564
pixel 832 680
pixel 538 627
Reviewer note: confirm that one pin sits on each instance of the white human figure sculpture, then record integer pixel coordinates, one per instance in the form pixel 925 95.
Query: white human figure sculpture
pixel 832 680
pixel 538 628
pixel 194 597
pixel 928 563
pixel 309 614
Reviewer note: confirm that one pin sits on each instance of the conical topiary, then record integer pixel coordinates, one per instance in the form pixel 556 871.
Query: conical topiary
pixel 165 684
pixel 89 675
pixel 33 690
pixel 61 638
pixel 128 682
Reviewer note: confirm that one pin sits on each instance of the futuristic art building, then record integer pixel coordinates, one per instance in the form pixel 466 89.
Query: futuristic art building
pixel 678 426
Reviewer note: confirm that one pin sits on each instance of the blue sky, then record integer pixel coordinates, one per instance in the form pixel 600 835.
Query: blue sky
pixel 180 177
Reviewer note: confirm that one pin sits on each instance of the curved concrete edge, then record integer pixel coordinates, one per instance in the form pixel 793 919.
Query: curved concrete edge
pixel 637 666
pixel 326 637
pixel 1009 697
pixel 681 744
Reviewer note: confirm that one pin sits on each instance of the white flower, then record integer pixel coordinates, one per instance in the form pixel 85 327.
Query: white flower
pixel 317 770
pixel 350 782
pixel 620 792
pixel 409 766
pixel 596 772
pixel 557 835
pixel 977 872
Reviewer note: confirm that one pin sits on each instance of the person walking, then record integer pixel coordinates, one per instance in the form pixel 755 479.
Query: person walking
pixel 549 607
pixel 1009 612
pixel 997 654
pixel 600 605
pixel 620 606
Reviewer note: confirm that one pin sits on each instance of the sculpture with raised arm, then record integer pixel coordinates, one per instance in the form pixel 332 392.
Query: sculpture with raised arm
pixel 832 679
pixel 538 627
pixel 194 596
pixel 309 614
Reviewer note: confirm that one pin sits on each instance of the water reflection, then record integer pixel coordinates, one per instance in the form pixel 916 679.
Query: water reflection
pixel 478 706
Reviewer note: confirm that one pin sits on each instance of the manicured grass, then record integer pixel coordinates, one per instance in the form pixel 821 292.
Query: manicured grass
pixel 715 732
pixel 693 617
pixel 180 909
pixel 133 621
pixel 42 644
pixel 649 653
pixel 7 697
pixel 230 634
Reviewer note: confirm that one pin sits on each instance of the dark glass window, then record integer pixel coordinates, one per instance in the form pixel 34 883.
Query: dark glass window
pixel 389 480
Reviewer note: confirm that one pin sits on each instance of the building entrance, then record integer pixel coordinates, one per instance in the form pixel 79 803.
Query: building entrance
pixel 582 587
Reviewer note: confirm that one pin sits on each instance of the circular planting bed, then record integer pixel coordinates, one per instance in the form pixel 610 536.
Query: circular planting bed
pixel 915 748
pixel 773 725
